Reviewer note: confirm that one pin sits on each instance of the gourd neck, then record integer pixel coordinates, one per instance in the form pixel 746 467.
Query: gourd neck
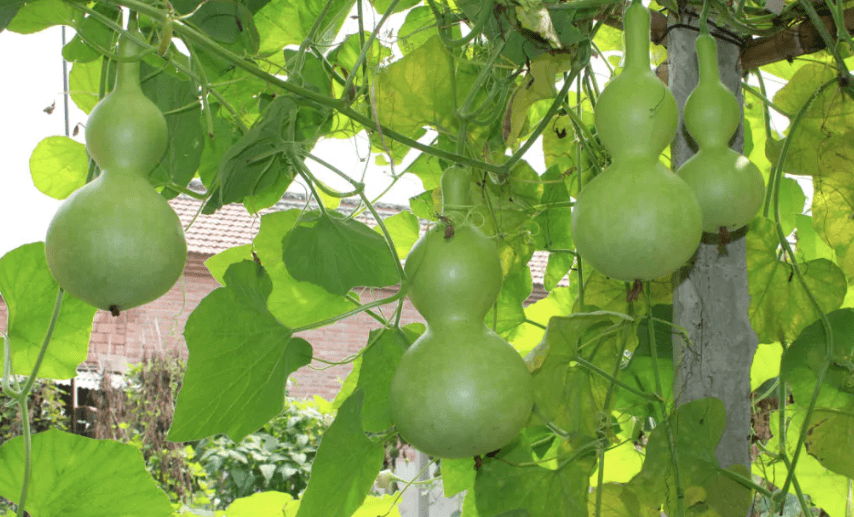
pixel 707 59
pixel 455 191
pixel 636 34
pixel 127 69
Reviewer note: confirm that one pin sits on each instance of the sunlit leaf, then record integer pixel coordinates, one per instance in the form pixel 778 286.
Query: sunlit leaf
pixel 29 291
pixel 75 476
pixel 833 205
pixel 292 302
pixel 765 365
pixel 288 22
pixel 457 475
pixel 557 267
pixel 616 502
pixel 264 504
pixel 379 362
pixel 339 254
pixel 59 166
pixel 779 305
pixel 809 245
pixel 420 26
pixel 240 360
pixel 516 289
pixel 805 357
pixel 39 15
pixel 826 489
pixel 339 482
pixel 404 229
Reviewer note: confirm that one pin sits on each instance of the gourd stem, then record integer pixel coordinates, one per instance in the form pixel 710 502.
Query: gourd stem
pixel 704 18
pixel 636 32
pixel 455 190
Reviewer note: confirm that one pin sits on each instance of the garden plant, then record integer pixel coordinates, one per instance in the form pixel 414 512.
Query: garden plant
pixel 694 355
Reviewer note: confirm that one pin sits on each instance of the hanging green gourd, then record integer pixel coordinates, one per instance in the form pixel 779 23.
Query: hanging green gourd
pixel 115 243
pixel 728 186
pixel 637 220
pixel 460 390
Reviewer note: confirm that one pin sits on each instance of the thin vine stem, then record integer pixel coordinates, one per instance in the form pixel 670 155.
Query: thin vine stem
pixel 367 46
pixel 376 303
pixel 674 457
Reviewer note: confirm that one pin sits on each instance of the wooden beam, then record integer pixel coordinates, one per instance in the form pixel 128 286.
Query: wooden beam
pixel 789 43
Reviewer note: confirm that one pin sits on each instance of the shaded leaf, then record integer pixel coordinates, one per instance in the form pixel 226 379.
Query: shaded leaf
pixel 616 502
pixel 557 267
pixel 565 393
pixel 830 439
pixel 29 291
pixel 59 166
pixel 805 357
pixel 504 488
pixel 338 254
pixel 179 102
pixel 294 303
pixel 240 359
pixel 79 49
pixel 779 305
pixel 507 313
pixel 107 475
pixel 339 482
pixel 697 428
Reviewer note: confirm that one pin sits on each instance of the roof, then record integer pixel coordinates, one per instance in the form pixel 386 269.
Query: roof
pixel 232 225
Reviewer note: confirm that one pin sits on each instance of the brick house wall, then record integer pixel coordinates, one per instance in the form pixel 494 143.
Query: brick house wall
pixel 158 326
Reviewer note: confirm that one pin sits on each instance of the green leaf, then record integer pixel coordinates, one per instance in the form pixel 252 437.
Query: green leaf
pixel 428 169
pixel 347 54
pixel 179 102
pixel 259 167
pixel 539 85
pixel 419 26
pixel 826 489
pixel 224 136
pixel 416 90
pixel 607 294
pixel 809 245
pixel 805 357
pixel 30 293
pixel 792 200
pixel 264 504
pixel 288 22
pixel 697 428
pixel 457 475
pixel 557 267
pixel 515 290
pixel 93 30
pixel 404 229
pixel 616 502
pixel 779 305
pixel 339 482
pixel 831 441
pixel 504 488
pixel 338 254
pixel 59 166
pixel 240 359
pixel 74 476
pixel 294 303
pixel 38 15
pixel 565 393
pixel 766 364
pixel 825 128
pixel 228 23
pixel 379 362
pixel 833 205
pixel 218 264
pixel 84 82
pixel 8 10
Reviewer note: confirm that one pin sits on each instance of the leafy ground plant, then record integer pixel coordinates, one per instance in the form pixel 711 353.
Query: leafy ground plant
pixel 249 89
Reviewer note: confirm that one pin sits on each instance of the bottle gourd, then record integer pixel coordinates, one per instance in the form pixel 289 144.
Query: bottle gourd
pixel 460 390
pixel 637 220
pixel 115 243
pixel 728 186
